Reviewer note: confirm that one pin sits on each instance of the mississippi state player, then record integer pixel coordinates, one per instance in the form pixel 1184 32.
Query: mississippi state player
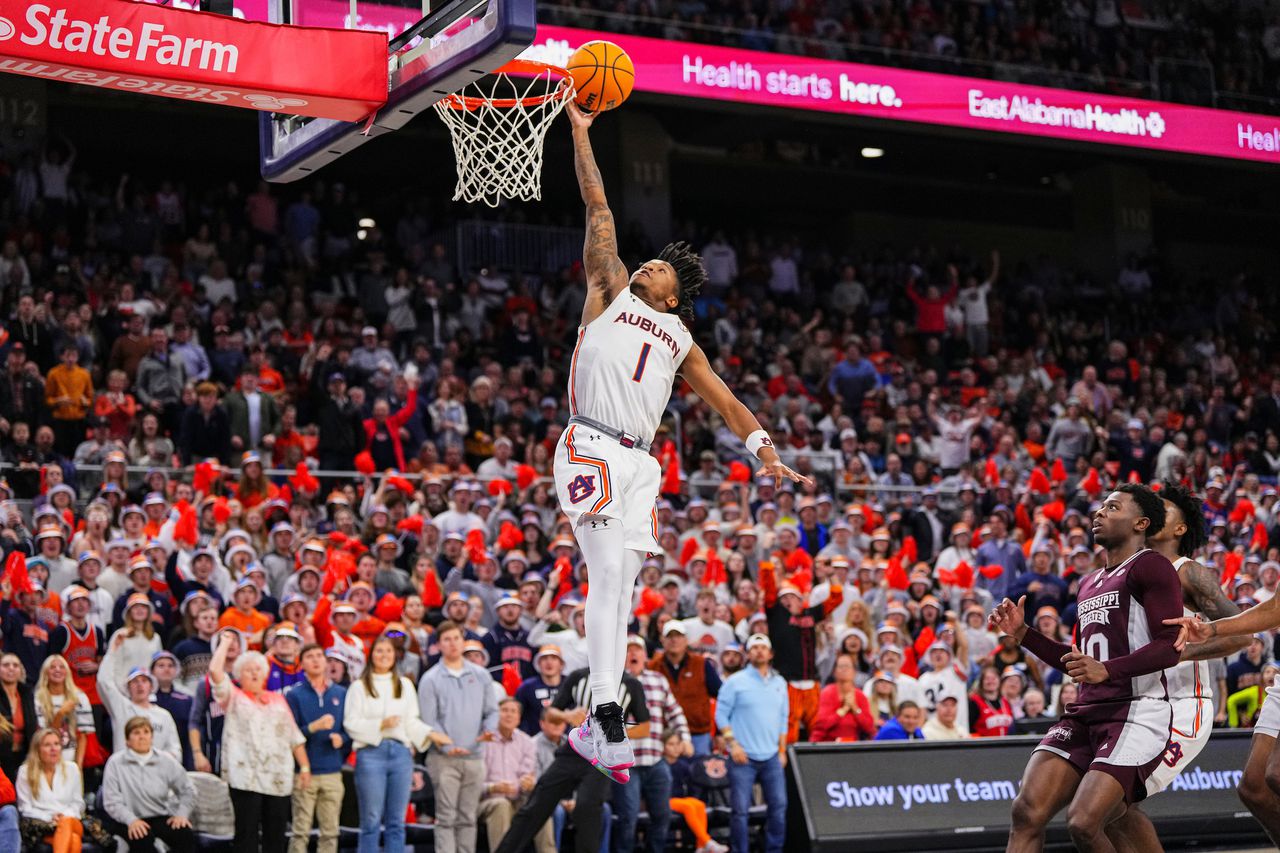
pixel 1100 755
pixel 631 344
pixel 1190 687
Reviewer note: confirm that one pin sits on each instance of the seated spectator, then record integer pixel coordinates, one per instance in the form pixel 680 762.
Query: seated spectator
pixel 18 715
pixel 904 726
pixel 147 794
pixel 51 799
pixel 509 777
pixel 844 712
pixel 692 809
pixel 61 706
pixel 945 723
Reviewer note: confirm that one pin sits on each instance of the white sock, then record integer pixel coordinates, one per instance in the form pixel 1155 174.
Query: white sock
pixel 602 546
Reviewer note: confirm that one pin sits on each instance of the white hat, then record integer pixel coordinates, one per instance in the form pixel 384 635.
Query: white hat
pixel 758 640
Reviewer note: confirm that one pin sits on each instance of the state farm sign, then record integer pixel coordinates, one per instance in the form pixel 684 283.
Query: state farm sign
pixel 199 57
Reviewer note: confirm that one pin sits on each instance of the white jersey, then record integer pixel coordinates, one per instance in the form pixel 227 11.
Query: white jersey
pixel 624 366
pixel 1189 679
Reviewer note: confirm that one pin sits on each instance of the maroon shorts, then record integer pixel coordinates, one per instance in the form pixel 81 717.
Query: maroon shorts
pixel 1125 740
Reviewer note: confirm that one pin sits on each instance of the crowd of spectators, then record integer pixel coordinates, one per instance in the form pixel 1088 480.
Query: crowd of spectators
pixel 276 501
pixel 1202 52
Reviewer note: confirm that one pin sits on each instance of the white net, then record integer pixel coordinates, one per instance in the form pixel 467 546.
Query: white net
pixel 498 135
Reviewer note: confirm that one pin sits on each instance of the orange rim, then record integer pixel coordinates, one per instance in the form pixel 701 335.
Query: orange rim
pixel 518 67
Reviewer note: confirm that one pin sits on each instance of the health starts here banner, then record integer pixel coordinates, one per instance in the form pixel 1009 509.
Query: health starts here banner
pixel 797 82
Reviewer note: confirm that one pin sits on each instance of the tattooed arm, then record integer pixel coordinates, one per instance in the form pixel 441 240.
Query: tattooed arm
pixel 606 275
pixel 1200 586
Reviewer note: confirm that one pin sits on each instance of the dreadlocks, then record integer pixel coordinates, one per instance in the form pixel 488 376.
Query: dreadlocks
pixel 1192 513
pixel 689 273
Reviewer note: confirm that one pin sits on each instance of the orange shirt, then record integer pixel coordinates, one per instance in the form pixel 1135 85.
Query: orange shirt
pixel 251 623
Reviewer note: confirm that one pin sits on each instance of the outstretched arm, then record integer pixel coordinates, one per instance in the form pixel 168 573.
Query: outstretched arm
pixel 606 276
pixel 708 385
pixel 1200 585
pixel 1263 617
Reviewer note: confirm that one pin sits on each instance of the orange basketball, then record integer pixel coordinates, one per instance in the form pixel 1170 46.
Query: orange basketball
pixel 602 75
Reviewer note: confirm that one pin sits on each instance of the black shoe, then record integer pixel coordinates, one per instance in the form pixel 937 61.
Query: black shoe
pixel 609 716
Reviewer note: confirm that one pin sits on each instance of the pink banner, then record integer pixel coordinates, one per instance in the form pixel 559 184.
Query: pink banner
pixel 797 82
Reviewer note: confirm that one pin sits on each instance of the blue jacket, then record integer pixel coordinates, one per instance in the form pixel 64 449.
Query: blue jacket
pixel 307 707
pixel 893 730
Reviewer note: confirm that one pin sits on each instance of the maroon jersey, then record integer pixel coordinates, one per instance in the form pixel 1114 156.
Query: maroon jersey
pixel 1121 615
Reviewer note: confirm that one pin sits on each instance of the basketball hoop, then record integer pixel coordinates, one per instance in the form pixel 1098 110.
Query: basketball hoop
pixel 498 125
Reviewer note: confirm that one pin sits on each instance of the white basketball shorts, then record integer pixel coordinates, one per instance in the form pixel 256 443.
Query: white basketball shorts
pixel 595 475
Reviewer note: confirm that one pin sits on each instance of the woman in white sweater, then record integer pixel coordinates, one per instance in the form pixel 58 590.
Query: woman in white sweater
pixel 51 799
pixel 381 715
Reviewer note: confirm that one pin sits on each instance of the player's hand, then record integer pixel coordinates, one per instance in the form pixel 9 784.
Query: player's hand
pixel 1191 629
pixel 578 117
pixel 1009 618
pixel 778 471
pixel 1084 669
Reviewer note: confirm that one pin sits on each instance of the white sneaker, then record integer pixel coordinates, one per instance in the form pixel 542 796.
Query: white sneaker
pixel 612 758
pixel 713 846
pixel 613 747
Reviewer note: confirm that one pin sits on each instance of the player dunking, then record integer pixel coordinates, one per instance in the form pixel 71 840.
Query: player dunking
pixel 1099 757
pixel 1190 687
pixel 1255 790
pixel 631 344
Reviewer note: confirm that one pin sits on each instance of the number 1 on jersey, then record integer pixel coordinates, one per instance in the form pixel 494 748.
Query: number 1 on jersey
pixel 644 358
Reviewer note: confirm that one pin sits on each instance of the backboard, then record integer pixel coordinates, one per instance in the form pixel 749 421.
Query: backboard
pixel 434 49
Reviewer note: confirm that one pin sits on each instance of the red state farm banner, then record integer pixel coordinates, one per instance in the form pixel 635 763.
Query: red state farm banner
pixel 196 56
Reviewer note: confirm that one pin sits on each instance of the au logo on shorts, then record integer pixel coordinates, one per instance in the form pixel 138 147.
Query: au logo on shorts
pixel 581 487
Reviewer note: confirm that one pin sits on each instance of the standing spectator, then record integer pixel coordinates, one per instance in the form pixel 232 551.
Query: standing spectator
pixel 21 390
pixel 509 763
pixel 254 416
pixel 1001 551
pixel 536 692
pixel 148 793
pixel 317 705
pixel 382 719
pixel 17 714
pixel 931 306
pixel 1070 437
pixel 793 627
pixel 751 714
pixel 853 378
pixel 164 669
pixel 508 641
pixel 68 391
pixel 130 348
pixel 973 302
pixel 260 742
pixel 206 430
pixel 651 776
pixel 160 380
pixel 25 626
pixel 341 426
pixel 128 696
pixel 693 679
pixel 456 696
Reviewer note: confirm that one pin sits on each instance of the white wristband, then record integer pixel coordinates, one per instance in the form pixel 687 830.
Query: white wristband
pixel 757 440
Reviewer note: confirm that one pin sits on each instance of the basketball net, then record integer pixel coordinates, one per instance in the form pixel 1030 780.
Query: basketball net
pixel 498 130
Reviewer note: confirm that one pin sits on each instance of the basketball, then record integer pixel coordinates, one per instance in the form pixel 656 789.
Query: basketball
pixel 602 75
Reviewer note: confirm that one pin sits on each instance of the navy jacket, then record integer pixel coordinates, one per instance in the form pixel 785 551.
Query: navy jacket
pixel 307 707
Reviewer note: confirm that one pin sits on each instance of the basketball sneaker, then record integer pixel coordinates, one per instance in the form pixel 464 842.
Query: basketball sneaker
pixel 602 741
